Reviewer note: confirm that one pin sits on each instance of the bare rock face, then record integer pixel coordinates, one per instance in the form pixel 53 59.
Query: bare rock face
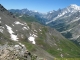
pixel 2 8
pixel 11 52
pixel 15 52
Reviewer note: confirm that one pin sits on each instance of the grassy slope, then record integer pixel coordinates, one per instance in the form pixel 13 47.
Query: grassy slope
pixel 28 18
pixel 69 49
pixel 66 46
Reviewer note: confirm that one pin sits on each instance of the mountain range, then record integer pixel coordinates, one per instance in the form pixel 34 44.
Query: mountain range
pixel 65 20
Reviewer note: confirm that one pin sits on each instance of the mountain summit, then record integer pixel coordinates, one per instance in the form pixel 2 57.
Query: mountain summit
pixel 75 6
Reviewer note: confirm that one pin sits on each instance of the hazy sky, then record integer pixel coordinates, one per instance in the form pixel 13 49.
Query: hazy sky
pixel 39 5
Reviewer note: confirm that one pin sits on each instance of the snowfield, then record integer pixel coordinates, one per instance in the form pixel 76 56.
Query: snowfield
pixel 13 37
pixel 32 39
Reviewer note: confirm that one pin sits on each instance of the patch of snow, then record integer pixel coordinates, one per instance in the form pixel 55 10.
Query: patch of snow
pixel 75 36
pixel 1 30
pixel 22 45
pixel 74 20
pixel 34 35
pixel 59 49
pixel 40 30
pixel 16 46
pixel 13 37
pixel 35 30
pixel 66 31
pixel 54 19
pixel 16 30
pixel 64 17
pixel 25 24
pixel 12 24
pixel 21 16
pixel 30 34
pixel 32 39
pixel 51 20
pixel 51 12
pixel 77 17
pixel 61 55
pixel 61 14
pixel 55 44
pixel 2 27
pixel 17 22
pixel 25 28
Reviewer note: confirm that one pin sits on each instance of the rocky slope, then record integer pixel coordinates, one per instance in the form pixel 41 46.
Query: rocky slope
pixel 15 32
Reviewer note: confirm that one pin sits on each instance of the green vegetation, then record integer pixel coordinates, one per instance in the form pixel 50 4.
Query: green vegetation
pixel 68 49
pixel 67 59
pixel 28 45
pixel 41 37
pixel 28 19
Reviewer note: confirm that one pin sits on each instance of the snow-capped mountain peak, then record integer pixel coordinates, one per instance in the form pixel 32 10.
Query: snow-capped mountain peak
pixel 50 12
pixel 68 11
pixel 74 7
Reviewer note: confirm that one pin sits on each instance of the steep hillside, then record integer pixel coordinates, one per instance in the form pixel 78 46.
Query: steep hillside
pixel 53 42
pixel 18 34
pixel 43 41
